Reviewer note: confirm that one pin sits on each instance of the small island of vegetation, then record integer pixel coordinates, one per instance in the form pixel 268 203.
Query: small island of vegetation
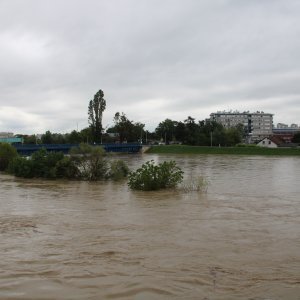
pixel 90 163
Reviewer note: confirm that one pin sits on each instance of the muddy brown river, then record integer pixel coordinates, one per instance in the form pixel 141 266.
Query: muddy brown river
pixel 77 240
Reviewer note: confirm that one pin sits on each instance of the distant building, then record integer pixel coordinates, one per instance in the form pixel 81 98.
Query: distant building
pixel 282 126
pixel 6 135
pixel 11 140
pixel 270 142
pixel 286 134
pixel 257 125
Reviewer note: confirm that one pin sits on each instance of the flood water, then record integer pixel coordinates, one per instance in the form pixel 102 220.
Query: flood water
pixel 77 240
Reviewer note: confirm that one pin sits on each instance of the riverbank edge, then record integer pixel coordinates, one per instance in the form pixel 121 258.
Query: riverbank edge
pixel 183 149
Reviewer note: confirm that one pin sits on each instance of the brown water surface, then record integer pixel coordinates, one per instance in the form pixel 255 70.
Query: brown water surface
pixel 80 240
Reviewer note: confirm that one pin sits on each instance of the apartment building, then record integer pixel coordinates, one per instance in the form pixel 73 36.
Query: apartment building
pixel 257 125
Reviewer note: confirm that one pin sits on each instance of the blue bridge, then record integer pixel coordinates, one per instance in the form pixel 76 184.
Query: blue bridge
pixel 28 149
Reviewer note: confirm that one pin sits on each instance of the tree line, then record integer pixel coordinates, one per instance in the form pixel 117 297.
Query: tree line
pixel 189 131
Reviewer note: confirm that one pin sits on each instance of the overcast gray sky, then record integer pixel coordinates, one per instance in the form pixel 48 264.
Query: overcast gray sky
pixel 154 59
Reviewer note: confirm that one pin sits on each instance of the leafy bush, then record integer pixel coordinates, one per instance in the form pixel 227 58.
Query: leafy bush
pixel 85 162
pixel 118 170
pixel 42 164
pixel 7 154
pixel 21 167
pixel 65 168
pixel 90 162
pixel 154 177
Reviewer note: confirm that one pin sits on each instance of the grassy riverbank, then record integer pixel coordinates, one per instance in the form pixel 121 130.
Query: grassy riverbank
pixel 182 149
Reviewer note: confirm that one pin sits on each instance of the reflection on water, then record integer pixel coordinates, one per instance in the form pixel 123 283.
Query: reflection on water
pixel 80 240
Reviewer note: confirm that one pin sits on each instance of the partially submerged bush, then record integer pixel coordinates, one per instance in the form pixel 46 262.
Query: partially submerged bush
pixel 43 164
pixel 85 162
pixel 154 177
pixel 90 161
pixel 66 168
pixel 198 184
pixel 118 170
pixel 7 154
pixel 21 167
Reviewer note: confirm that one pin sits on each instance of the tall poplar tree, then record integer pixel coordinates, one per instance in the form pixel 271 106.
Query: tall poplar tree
pixel 95 111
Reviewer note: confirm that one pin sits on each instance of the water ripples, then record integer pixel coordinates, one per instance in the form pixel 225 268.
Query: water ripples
pixel 76 240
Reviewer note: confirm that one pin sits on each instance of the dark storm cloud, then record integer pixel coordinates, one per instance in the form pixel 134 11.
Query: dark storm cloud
pixel 153 59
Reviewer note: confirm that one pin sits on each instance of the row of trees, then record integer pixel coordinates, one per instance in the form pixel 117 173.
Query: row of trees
pixel 168 131
pixel 199 133
pixel 187 132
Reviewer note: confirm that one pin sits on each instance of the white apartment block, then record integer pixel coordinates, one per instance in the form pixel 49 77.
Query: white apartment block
pixel 257 125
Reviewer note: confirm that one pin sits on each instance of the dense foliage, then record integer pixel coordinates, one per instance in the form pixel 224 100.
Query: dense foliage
pixel 188 132
pixel 7 154
pixel 85 162
pixel 43 164
pixel 155 177
pixel 202 133
pixel 126 130
pixel 90 162
pixel 118 169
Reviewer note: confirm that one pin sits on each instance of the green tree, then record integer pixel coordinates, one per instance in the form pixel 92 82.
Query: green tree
pixel 47 138
pixel 192 131
pixel 180 131
pixel 7 154
pixel 86 135
pixel 127 130
pixel 232 136
pixel 74 137
pixel 166 130
pixel 95 112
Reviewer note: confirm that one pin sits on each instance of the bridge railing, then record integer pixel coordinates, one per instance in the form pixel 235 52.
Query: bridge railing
pixel 28 149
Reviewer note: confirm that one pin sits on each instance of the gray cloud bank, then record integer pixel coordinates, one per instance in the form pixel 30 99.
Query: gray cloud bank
pixel 153 59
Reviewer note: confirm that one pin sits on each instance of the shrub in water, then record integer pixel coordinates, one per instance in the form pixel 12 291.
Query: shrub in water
pixel 195 184
pixel 118 170
pixel 21 167
pixel 42 164
pixel 7 154
pixel 90 162
pixel 153 177
pixel 65 168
